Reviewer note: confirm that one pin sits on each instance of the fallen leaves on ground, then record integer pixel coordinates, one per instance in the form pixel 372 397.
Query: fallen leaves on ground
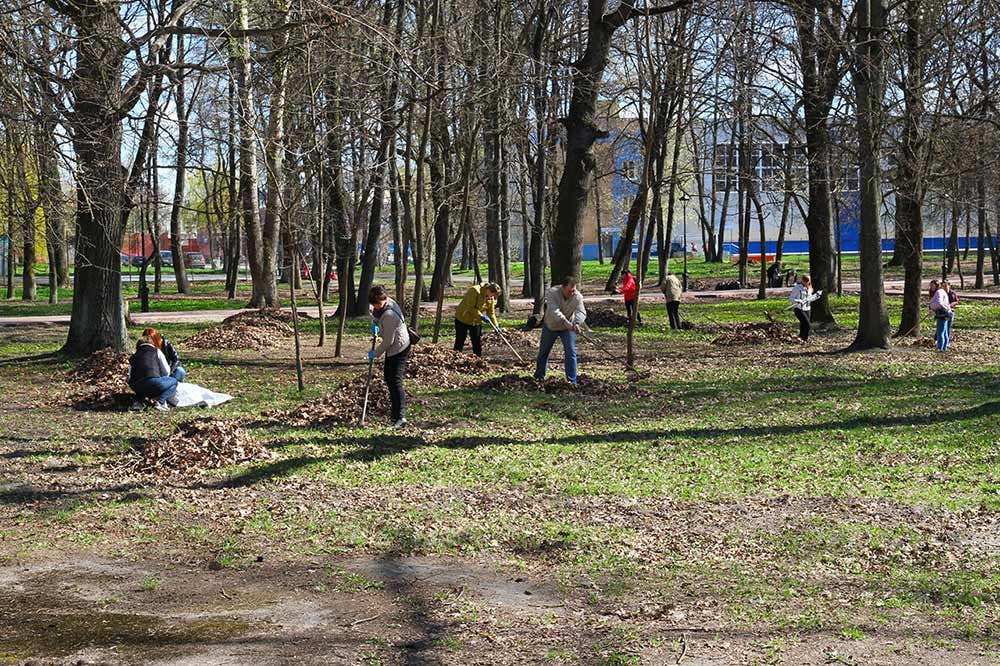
pixel 606 318
pixel 440 366
pixel 100 382
pixel 252 329
pixel 199 445
pixel 342 406
pixel 755 333
pixel 517 339
pixel 584 385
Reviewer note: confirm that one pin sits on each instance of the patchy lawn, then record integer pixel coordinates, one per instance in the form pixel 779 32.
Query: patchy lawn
pixel 778 503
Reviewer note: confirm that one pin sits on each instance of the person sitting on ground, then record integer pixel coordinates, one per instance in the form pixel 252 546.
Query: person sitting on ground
pixel 177 370
pixel 940 307
pixel 630 292
pixel 774 275
pixel 802 298
pixel 478 305
pixel 564 314
pixel 389 319
pixel 149 375
pixel 672 290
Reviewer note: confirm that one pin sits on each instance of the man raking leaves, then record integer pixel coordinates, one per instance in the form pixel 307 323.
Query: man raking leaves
pixel 564 314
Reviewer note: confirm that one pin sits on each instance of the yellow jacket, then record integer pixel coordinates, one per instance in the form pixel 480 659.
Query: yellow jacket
pixel 474 305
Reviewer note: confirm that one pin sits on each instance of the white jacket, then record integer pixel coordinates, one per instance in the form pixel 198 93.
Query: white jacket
pixel 802 297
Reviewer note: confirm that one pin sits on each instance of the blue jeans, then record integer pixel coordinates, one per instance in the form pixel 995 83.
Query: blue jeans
pixel 155 388
pixel 942 334
pixel 179 373
pixel 569 350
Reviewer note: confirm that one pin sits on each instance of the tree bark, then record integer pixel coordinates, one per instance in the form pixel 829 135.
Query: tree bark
pixel 873 323
pixel 180 177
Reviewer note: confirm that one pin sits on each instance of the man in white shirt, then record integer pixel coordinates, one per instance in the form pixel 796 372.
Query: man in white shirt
pixel 564 314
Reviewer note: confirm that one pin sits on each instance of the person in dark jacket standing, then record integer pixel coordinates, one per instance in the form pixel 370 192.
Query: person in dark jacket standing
pixel 630 292
pixel 149 375
pixel 388 316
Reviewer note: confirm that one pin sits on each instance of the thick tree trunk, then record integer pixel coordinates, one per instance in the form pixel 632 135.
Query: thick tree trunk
pixel 910 194
pixel 820 62
pixel 248 182
pixel 873 323
pixel 265 294
pixel 98 318
pixel 180 178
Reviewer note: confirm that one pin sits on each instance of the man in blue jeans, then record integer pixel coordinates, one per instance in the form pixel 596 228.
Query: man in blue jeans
pixel 564 314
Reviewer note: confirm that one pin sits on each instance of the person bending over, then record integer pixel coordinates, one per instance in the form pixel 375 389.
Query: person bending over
pixel 564 314
pixel 478 305
pixel 395 344
pixel 177 370
pixel 149 375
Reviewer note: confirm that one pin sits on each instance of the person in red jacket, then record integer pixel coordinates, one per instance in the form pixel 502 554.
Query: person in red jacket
pixel 630 291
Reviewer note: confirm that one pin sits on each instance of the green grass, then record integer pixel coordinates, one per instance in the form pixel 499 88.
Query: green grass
pixel 789 491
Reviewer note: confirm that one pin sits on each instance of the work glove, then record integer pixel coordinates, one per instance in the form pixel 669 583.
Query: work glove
pixel 371 355
pixel 374 328
pixel 486 319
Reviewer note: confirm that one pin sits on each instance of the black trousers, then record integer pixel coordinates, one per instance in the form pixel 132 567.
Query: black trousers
pixel 393 371
pixel 673 312
pixel 804 325
pixel 629 306
pixel 475 333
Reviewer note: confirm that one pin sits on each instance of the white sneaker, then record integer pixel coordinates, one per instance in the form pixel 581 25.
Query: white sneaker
pixel 137 406
pixel 162 407
pixel 401 423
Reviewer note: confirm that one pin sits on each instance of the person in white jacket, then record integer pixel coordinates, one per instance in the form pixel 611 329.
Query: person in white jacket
pixel 802 297
pixel 564 314
pixel 388 318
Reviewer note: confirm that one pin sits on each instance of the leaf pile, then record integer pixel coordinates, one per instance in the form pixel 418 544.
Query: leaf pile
pixel 199 445
pixel 342 406
pixel 755 333
pixel 606 318
pixel 104 379
pixel 518 339
pixel 439 366
pixel 585 385
pixel 927 343
pixel 252 329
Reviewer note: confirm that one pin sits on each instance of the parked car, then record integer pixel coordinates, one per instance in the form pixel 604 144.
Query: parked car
pixel 125 259
pixel 166 258
pixel 194 260
pixel 137 260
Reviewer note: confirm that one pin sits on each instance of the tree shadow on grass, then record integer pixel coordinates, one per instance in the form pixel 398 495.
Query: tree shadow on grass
pixel 370 449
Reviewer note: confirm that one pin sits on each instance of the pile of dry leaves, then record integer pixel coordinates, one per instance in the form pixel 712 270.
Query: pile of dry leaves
pixel 585 385
pixel 755 333
pixel 340 407
pixel 606 318
pixel 518 339
pixel 252 329
pixel 100 382
pixel 440 366
pixel 199 445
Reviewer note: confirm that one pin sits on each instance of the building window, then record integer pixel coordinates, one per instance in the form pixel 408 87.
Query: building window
pixel 724 171
pixel 850 179
pixel 798 162
pixel 771 171
pixel 628 169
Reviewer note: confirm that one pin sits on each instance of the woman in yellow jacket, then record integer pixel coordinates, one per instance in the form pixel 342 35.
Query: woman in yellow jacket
pixel 477 304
